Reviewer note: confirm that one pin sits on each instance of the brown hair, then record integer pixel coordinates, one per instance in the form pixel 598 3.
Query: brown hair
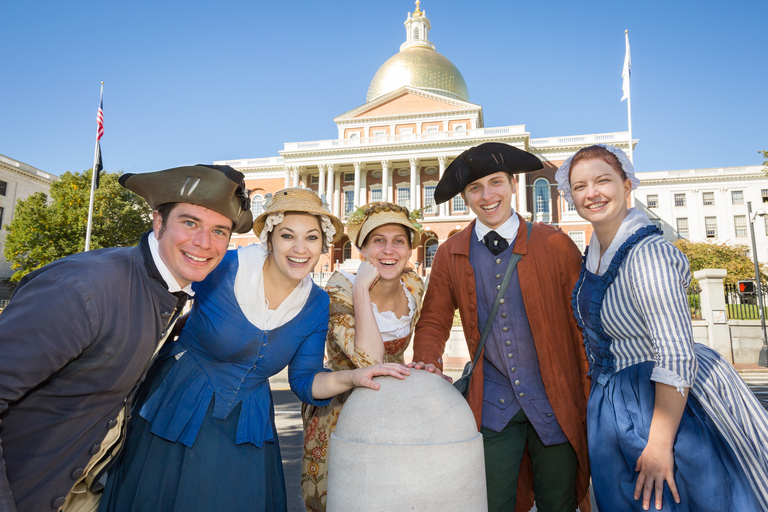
pixel 598 153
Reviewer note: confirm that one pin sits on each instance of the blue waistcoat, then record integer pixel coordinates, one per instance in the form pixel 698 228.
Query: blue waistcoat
pixel 511 374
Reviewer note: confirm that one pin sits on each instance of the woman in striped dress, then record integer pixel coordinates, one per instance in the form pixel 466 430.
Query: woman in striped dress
pixel 670 423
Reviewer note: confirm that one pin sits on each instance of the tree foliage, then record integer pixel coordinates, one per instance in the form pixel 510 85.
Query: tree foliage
pixel 729 257
pixel 45 230
pixel 765 161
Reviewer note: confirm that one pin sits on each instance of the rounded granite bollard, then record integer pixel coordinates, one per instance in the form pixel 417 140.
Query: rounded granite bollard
pixel 411 445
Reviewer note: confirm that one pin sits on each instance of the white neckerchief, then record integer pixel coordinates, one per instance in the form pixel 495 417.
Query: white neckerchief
pixel 170 281
pixel 631 223
pixel 249 291
pixel 390 326
pixel 508 230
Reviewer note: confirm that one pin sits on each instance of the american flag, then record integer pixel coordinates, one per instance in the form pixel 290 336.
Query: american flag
pixel 100 119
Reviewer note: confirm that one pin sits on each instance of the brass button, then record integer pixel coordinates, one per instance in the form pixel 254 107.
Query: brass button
pixel 504 329
pixel 501 301
pixel 521 395
pixel 513 369
pixel 498 276
pixel 501 401
pixel 498 260
pixel 507 343
pixel 503 315
pixel 498 287
pixel 549 415
pixel 517 383
pixel 510 355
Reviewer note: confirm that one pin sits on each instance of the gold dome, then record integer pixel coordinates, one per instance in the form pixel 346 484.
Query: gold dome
pixel 419 67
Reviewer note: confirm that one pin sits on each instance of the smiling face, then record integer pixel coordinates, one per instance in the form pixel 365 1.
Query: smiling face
pixel 296 245
pixel 388 248
pixel 490 198
pixel 599 193
pixel 191 241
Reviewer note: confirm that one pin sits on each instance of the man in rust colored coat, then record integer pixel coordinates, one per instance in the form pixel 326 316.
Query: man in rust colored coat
pixel 529 388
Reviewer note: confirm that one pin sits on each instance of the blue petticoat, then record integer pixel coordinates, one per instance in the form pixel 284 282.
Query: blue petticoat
pixel 707 473
pixel 215 474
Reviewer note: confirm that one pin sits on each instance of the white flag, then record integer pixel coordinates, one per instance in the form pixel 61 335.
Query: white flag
pixel 627 71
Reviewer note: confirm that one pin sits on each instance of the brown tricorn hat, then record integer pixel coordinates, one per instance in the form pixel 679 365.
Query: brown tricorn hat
pixel 480 161
pixel 217 187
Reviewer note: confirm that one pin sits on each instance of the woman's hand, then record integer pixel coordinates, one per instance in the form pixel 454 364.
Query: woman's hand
pixel 363 377
pixel 367 276
pixel 430 368
pixel 655 466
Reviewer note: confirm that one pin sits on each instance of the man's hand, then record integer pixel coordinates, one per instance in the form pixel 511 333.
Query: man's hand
pixel 430 368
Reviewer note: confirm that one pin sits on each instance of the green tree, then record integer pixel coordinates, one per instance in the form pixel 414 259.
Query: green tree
pixel 729 257
pixel 45 230
pixel 765 161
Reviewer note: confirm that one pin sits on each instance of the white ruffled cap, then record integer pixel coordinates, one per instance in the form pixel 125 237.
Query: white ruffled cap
pixel 563 172
pixel 276 218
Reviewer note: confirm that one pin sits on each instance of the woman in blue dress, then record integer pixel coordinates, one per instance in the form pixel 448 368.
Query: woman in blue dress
pixel 670 423
pixel 203 436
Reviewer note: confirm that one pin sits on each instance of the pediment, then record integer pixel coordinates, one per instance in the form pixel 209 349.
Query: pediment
pixel 407 101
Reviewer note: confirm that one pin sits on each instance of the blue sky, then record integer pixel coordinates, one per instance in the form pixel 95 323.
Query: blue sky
pixel 198 81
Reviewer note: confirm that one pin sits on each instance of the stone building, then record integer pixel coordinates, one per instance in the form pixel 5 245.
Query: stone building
pixel 17 181
pixel 395 147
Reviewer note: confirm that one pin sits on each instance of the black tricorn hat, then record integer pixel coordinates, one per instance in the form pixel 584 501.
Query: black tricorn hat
pixel 480 161
pixel 217 187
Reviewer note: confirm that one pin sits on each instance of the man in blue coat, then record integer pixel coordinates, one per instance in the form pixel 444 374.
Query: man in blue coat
pixel 80 333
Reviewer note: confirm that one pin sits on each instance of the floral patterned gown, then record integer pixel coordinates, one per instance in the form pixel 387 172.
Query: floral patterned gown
pixel 320 422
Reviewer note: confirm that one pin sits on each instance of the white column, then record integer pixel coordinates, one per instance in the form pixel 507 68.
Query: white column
pixel 522 196
pixel 414 187
pixel 391 192
pixel 713 310
pixel 358 167
pixel 385 180
pixel 363 190
pixel 287 177
pixel 295 171
pixel 321 180
pixel 443 208
pixel 337 196
pixel 330 193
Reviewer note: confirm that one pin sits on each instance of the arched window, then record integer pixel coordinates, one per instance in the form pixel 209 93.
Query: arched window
pixel 430 248
pixel 541 200
pixel 347 251
pixel 415 32
pixel 257 204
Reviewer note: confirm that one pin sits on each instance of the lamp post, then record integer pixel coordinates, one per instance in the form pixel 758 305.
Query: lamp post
pixel 762 360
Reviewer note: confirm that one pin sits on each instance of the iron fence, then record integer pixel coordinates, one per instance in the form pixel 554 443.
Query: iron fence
pixel 694 302
pixel 745 306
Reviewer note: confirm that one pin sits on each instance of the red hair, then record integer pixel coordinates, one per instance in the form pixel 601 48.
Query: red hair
pixel 598 153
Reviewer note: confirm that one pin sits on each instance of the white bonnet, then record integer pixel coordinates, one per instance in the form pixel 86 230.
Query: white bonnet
pixel 563 172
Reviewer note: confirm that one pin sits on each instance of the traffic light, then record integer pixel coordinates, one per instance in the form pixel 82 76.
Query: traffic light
pixel 747 287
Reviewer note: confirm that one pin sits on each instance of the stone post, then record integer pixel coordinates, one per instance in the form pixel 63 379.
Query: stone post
pixel 713 310
pixel 443 207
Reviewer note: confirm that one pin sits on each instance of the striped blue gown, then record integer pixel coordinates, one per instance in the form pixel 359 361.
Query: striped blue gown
pixel 637 330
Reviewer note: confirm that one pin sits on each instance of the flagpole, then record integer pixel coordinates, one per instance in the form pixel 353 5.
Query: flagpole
pixel 629 99
pixel 94 176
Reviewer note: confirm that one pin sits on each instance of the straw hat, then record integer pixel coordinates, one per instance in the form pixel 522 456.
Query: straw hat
pixel 298 200
pixel 217 187
pixel 369 217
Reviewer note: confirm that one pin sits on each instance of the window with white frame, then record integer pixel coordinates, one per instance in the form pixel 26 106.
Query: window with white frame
pixel 656 222
pixel 740 225
pixel 682 227
pixel 680 200
pixel 764 195
pixel 349 202
pixel 406 131
pixel 354 135
pixel 257 204
pixel 347 252
pixel 459 206
pixel 430 248
pixel 349 177
pixel 578 239
pixel 708 198
pixel 737 197
pixel 541 199
pixel 404 196
pixel 459 127
pixel 314 179
pixel 652 201
pixel 3 187
pixel 429 199
pixel 376 194
pixel 710 227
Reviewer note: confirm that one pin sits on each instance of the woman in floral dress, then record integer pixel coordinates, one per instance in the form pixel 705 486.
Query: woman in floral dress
pixel 384 298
